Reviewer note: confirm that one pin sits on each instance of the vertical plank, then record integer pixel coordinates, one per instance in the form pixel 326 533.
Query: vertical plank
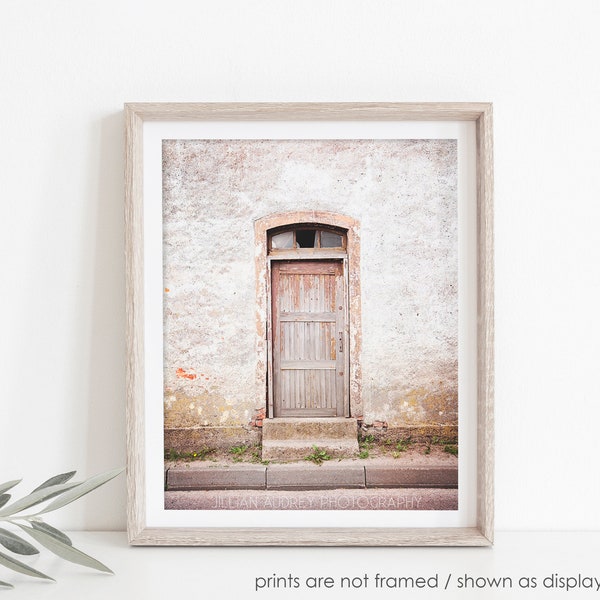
pixel 319 342
pixel 276 343
pixel 340 362
pixel 327 389
pixel 298 388
pixel 346 302
pixel 270 368
pixel 332 375
pixel 285 390
pixel 284 340
pixel 288 351
pixel 298 376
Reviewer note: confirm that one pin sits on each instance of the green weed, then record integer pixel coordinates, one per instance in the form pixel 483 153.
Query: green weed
pixel 402 445
pixel 318 456
pixel 257 457
pixel 238 452
pixel 200 454
pixel 365 443
pixel 451 449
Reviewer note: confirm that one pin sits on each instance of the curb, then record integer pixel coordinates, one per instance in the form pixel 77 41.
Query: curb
pixel 302 477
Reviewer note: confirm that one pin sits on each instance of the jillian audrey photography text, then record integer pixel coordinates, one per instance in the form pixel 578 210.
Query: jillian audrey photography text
pixel 439 581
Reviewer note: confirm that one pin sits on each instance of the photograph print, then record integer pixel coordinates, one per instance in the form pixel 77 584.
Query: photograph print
pixel 310 319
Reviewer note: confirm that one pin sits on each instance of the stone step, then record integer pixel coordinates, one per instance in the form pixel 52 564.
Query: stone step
pixel 309 428
pixel 294 438
pixel 285 450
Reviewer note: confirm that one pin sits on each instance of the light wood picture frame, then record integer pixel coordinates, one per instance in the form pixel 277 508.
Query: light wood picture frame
pixel 143 532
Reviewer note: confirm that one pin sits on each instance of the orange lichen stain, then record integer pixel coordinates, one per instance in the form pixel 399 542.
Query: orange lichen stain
pixel 167 290
pixel 183 374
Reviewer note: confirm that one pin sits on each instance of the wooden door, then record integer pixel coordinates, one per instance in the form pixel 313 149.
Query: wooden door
pixel 309 339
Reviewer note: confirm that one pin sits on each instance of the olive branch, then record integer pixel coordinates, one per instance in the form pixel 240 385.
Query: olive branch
pixel 64 491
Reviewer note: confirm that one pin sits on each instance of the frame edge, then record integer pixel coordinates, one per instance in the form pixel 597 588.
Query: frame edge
pixel 138 533
pixel 136 505
pixel 485 323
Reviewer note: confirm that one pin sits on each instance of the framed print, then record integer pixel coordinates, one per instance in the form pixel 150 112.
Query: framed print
pixel 309 324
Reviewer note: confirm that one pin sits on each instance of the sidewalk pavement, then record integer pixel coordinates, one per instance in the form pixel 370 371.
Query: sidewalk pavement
pixel 375 484
pixel 338 499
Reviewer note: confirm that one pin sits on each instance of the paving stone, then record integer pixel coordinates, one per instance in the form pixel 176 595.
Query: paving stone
pixel 413 477
pixel 249 477
pixel 313 477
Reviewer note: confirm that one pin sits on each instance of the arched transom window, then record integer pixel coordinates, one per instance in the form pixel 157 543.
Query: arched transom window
pixel 307 236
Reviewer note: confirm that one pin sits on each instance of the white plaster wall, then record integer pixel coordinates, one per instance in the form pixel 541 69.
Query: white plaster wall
pixel 404 195
pixel 66 67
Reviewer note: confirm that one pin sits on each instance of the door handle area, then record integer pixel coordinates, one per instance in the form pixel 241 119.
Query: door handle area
pixel 341 338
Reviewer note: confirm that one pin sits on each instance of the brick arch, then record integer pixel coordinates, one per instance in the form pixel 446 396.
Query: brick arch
pixel 262 227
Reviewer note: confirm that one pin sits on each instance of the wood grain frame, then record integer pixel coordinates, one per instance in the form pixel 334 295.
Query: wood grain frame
pixel 139 533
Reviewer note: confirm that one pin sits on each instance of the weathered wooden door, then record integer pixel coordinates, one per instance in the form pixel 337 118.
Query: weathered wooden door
pixel 308 330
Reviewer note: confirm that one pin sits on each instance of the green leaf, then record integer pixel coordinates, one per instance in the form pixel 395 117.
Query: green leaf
pixel 83 488
pixel 17 565
pixel 8 585
pixel 56 480
pixel 59 535
pixel 16 544
pixel 4 498
pixel 35 498
pixel 4 487
pixel 64 550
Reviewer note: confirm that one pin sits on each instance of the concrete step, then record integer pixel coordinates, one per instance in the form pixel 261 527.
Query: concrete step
pixel 284 450
pixel 309 428
pixel 294 438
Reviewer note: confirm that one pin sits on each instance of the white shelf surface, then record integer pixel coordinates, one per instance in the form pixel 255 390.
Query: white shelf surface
pixel 149 573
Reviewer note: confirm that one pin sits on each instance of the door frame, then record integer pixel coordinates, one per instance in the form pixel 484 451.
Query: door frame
pixel 338 256
pixel 263 226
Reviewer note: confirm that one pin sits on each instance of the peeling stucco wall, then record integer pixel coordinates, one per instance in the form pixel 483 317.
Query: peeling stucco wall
pixel 404 195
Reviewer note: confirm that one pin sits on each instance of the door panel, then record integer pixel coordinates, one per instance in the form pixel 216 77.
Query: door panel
pixel 308 310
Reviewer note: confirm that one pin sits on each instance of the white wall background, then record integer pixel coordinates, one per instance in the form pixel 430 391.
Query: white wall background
pixel 67 67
